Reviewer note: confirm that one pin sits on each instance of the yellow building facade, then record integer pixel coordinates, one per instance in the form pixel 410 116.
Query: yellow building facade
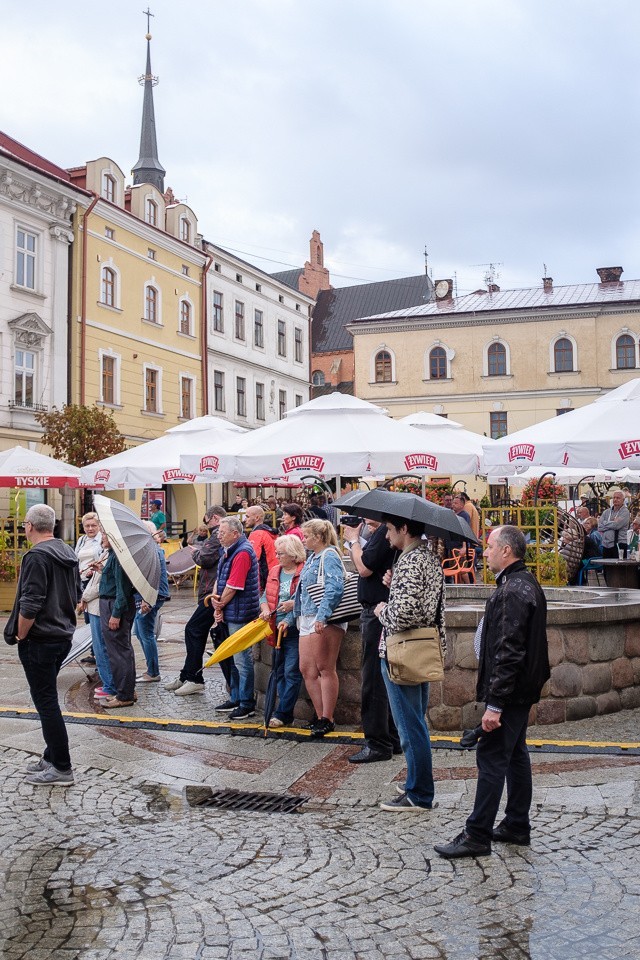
pixel 137 312
pixel 497 361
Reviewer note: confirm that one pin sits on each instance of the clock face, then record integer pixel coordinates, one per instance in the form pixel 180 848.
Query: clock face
pixel 442 288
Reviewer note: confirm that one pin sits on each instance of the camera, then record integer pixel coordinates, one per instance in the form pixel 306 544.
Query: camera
pixel 349 521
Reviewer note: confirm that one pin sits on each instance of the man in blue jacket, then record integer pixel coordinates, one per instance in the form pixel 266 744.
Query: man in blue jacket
pixel 42 623
pixel 236 601
pixel 513 668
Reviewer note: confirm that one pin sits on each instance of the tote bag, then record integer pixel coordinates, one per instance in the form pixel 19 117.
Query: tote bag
pixel 349 607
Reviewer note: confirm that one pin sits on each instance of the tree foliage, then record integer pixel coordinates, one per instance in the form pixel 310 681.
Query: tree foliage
pixel 80 435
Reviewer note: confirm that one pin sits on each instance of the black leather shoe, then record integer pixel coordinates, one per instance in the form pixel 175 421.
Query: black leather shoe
pixel 463 846
pixel 367 755
pixel 397 750
pixel 503 834
pixel 322 728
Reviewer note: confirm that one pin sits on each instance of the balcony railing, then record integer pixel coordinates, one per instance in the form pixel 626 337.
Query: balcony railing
pixel 32 407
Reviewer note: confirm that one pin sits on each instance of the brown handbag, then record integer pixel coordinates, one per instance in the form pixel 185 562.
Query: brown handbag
pixel 415 656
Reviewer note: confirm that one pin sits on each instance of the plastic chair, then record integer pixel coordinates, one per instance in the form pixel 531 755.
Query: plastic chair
pixel 585 567
pixel 460 564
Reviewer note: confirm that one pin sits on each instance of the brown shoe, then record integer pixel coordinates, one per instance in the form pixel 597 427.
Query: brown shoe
pixel 113 703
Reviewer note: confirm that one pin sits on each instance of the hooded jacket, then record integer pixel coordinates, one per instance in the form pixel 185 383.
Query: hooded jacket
pixel 48 591
pixel 514 655
pixel 262 538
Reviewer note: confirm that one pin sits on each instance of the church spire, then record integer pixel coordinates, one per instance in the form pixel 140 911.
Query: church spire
pixel 148 169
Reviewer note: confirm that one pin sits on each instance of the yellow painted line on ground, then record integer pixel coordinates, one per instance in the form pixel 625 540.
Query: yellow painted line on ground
pixel 302 731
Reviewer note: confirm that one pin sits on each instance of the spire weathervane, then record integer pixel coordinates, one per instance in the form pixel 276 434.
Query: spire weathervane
pixel 148 169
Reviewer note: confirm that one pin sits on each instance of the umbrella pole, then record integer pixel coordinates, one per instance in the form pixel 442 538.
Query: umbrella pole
pixel 424 486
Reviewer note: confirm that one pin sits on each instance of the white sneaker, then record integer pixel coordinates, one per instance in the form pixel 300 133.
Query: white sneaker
pixel 174 684
pixel 188 687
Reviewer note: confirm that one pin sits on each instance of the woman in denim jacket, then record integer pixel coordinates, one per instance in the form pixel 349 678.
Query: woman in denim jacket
pixel 320 641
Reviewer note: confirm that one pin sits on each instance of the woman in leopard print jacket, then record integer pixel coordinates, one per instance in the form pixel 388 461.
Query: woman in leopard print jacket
pixel 416 599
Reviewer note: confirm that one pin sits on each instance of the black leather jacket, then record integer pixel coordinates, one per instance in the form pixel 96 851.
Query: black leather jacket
pixel 514 656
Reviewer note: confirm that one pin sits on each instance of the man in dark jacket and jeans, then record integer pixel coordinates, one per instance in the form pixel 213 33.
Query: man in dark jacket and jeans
pixel 42 623
pixel 197 629
pixel 513 669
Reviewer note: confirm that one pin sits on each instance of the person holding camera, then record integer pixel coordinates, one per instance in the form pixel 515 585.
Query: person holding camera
pixel 372 558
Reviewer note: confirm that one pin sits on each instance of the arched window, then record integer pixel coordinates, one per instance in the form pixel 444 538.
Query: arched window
pixel 317 378
pixel 562 355
pixel 152 212
pixel 438 364
pixel 185 230
pixel 109 287
pixel 625 352
pixel 185 317
pixel 497 360
pixel 151 304
pixel 383 367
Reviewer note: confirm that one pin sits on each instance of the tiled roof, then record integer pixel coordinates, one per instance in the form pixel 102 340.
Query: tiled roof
pixel 530 298
pixel 18 151
pixel 337 307
pixel 290 277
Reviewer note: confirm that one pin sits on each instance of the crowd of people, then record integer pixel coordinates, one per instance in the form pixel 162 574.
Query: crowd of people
pixel 250 568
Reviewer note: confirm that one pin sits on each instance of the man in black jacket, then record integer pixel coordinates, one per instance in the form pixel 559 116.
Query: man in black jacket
pixel 42 623
pixel 197 629
pixel 372 559
pixel 513 668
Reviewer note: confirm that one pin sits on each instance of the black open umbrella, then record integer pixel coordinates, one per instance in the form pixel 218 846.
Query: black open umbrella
pixel 438 521
pixel 272 686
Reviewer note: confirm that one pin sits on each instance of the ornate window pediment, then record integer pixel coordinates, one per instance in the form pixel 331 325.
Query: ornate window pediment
pixel 29 330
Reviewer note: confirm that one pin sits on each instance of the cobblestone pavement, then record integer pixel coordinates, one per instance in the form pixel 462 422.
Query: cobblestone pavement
pixel 120 866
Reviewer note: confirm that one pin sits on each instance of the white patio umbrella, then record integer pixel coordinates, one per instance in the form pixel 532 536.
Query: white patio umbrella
pixel 431 421
pixel 604 434
pixel 332 435
pixel 562 475
pixel 20 467
pixel 156 462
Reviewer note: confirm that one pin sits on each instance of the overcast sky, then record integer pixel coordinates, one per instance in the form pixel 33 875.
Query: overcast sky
pixel 501 131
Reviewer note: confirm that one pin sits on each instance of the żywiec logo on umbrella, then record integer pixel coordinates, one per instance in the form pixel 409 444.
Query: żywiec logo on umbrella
pixel 629 448
pixel 102 476
pixel 421 461
pixel 209 463
pixel 303 461
pixel 176 474
pixel 522 451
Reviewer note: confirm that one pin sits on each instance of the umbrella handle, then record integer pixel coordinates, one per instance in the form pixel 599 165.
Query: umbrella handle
pixel 282 632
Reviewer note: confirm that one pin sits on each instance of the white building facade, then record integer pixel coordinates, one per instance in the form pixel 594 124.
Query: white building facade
pixel 36 209
pixel 258 342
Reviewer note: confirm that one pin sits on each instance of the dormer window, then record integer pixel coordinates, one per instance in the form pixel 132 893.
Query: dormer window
pixel 185 230
pixel 151 212
pixel 109 187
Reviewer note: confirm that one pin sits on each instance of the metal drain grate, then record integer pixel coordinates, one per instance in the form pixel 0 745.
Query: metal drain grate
pixel 243 800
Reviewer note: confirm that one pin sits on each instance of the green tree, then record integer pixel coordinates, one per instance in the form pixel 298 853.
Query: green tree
pixel 80 435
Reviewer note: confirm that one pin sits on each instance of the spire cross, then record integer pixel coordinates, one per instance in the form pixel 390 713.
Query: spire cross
pixel 148 14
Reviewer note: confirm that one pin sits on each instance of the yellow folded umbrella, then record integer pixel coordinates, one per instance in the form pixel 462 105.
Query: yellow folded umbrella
pixel 243 638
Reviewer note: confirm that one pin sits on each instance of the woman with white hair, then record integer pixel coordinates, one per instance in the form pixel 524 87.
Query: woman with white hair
pixel 276 605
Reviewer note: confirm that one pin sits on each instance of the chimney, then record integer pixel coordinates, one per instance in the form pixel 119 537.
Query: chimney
pixel 547 283
pixel 493 288
pixel 609 274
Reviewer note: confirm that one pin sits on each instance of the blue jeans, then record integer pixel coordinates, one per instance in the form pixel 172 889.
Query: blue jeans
pixel 288 675
pixel 241 680
pixel 409 708
pixel 41 663
pixel 100 653
pixel 144 627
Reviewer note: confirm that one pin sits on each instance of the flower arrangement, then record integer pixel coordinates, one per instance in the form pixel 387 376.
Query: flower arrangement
pixel 548 491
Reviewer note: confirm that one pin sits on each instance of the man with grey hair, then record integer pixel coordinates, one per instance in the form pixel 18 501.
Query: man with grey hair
pixel 513 668
pixel 197 629
pixel 42 623
pixel 236 600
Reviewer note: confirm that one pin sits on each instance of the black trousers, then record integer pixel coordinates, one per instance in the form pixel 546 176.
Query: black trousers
pixel 380 731
pixel 502 756
pixel 196 634
pixel 41 663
